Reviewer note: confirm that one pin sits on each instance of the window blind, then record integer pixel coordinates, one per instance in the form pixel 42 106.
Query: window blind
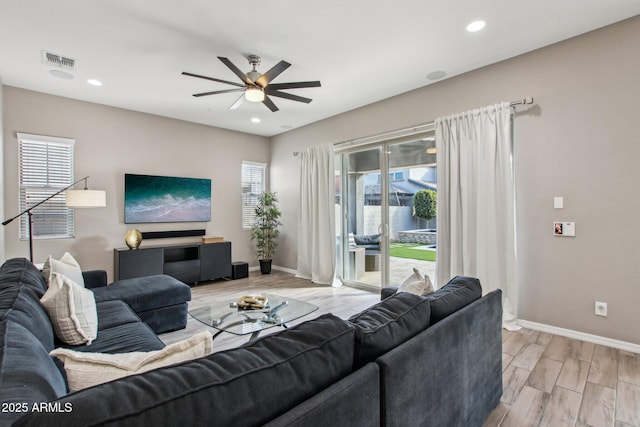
pixel 45 167
pixel 253 184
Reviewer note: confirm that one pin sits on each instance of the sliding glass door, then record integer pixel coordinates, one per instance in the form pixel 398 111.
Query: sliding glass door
pixel 375 190
pixel 362 236
pixel 411 205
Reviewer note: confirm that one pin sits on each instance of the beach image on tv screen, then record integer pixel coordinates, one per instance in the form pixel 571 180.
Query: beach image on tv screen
pixel 149 198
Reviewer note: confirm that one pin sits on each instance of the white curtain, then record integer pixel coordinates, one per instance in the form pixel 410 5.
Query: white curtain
pixel 316 223
pixel 475 209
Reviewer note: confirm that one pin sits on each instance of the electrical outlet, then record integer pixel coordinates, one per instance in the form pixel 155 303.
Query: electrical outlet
pixel 601 309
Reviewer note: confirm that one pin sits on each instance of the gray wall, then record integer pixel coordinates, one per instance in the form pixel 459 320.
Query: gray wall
pixel 111 142
pixel 579 141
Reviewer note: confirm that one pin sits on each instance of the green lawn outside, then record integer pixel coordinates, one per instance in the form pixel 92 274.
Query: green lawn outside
pixel 407 250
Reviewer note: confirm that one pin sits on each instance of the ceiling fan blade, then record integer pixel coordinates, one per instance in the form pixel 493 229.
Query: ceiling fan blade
pixel 215 92
pixel 238 103
pixel 274 72
pixel 269 103
pixel 288 96
pixel 212 79
pixel 295 85
pixel 236 71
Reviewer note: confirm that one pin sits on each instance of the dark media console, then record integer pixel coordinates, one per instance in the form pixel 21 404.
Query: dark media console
pixel 188 262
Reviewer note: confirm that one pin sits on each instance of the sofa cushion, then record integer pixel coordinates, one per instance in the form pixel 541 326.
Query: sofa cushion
pixel 21 272
pixel 66 265
pixel 458 292
pixel 24 308
pixel 124 338
pixel 88 369
pixel 388 324
pixel 248 385
pixel 146 293
pixel 72 310
pixel 28 375
pixel 367 240
pixel 114 313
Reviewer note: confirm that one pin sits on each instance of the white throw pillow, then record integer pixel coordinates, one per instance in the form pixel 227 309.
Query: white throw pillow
pixel 72 310
pixel 88 369
pixel 66 265
pixel 417 284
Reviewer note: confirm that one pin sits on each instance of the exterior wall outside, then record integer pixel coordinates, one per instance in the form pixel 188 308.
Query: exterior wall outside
pixel 416 236
pixel 111 142
pixel 583 124
pixel 400 218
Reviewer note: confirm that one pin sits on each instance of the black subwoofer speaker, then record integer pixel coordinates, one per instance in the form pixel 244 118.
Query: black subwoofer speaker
pixel 239 270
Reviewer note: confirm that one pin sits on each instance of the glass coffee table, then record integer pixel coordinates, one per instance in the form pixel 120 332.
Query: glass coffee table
pixel 226 316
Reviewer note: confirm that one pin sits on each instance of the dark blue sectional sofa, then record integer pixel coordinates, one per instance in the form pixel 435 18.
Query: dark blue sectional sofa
pixel 406 361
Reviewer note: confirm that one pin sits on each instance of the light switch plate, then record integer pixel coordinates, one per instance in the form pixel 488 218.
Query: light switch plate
pixel 558 202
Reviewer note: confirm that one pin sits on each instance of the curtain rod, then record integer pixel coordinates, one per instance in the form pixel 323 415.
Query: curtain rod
pixel 411 129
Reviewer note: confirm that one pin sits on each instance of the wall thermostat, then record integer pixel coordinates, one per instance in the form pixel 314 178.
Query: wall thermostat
pixel 564 229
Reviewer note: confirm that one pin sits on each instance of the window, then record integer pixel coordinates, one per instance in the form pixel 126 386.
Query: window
pixel 396 176
pixel 253 184
pixel 393 176
pixel 46 167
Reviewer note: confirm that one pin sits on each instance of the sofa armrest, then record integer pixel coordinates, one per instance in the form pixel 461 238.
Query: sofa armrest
pixel 94 278
pixel 387 291
pixel 459 356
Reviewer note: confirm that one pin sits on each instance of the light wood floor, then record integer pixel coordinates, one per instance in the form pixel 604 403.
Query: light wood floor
pixel 549 380
pixel 555 381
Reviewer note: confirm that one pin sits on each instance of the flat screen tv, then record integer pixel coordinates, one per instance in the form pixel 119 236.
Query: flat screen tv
pixel 149 198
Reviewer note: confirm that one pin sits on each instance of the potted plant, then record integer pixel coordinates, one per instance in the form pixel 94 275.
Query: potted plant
pixel 265 229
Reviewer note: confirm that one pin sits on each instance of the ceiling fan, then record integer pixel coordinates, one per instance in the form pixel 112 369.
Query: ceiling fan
pixel 257 87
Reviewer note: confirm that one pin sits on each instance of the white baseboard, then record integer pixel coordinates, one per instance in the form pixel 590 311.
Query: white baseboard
pixel 582 336
pixel 286 270
pixel 274 267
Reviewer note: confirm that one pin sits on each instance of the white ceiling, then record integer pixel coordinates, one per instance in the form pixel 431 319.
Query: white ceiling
pixel 362 51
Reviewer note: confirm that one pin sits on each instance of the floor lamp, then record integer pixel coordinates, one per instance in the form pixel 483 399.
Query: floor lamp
pixel 74 199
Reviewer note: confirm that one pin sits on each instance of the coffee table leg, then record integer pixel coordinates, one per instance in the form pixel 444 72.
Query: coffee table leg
pixel 216 334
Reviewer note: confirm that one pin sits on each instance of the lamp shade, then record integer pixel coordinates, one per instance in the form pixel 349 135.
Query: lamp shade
pixel 86 198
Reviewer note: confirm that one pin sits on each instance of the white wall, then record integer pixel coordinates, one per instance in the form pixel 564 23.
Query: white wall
pixel 111 142
pixel 579 141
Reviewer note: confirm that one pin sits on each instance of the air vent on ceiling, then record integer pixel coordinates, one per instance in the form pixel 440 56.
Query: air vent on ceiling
pixel 58 60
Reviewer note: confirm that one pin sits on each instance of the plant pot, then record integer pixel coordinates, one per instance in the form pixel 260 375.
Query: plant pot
pixel 265 266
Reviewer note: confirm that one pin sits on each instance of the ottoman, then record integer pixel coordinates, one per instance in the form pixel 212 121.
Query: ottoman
pixel 159 300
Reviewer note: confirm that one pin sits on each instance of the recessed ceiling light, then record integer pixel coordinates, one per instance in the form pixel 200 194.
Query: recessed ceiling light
pixel 61 74
pixel 436 75
pixel 94 82
pixel 255 120
pixel 476 26
pixel 286 127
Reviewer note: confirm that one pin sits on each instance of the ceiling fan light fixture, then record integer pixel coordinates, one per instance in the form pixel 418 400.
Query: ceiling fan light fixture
pixel 254 94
